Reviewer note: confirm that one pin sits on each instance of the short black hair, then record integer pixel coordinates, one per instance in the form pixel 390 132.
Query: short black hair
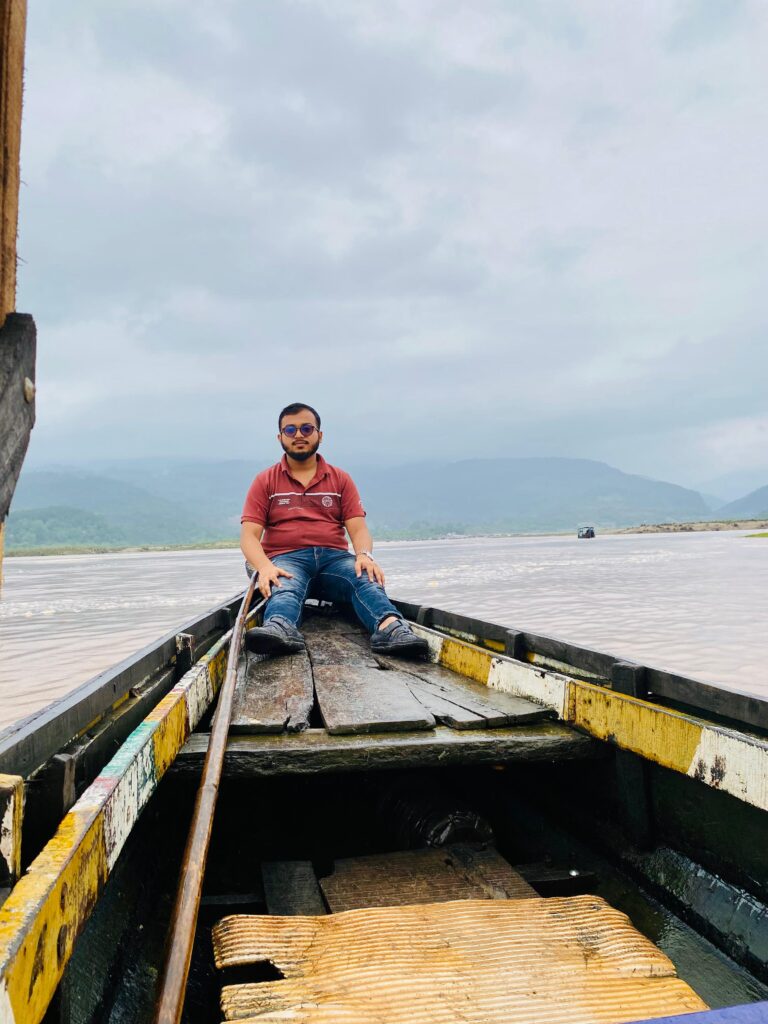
pixel 293 408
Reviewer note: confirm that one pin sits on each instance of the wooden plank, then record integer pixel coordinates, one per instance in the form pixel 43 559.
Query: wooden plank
pixel 445 711
pixel 291 888
pixel 358 699
pixel 18 340
pixel 26 745
pixel 336 648
pixel 314 751
pixel 731 704
pixel 527 961
pixel 273 694
pixel 355 694
pixel 437 687
pixel 13 18
pixel 458 872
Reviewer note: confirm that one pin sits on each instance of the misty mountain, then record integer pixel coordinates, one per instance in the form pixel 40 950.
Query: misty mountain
pixel 125 514
pixel 174 502
pixel 751 506
pixel 497 495
pixel 734 485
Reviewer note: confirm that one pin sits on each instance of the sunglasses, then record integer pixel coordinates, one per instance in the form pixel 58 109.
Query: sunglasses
pixel 306 430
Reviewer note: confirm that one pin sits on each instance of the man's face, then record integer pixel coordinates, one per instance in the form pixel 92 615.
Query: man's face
pixel 300 447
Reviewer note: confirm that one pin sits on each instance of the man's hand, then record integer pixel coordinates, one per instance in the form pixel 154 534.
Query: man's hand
pixel 269 574
pixel 365 564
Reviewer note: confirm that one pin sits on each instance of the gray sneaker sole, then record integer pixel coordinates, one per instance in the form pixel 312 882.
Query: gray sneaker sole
pixel 268 643
pixel 416 648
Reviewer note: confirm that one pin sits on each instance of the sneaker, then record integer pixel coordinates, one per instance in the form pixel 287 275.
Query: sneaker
pixel 398 638
pixel 276 637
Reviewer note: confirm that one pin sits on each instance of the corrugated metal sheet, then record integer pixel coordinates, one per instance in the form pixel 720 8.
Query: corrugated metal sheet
pixel 530 961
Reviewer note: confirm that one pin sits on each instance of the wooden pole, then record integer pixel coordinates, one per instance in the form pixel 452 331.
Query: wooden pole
pixel 181 935
pixel 16 417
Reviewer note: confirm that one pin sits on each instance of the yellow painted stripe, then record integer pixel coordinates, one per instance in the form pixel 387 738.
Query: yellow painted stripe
pixel 172 730
pixel 43 915
pixel 466 659
pixel 657 734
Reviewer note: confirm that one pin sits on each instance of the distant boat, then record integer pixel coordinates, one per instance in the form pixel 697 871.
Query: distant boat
pixel 586 532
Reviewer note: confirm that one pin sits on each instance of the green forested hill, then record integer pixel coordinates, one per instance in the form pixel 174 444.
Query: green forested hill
pixel 153 501
pixel 85 508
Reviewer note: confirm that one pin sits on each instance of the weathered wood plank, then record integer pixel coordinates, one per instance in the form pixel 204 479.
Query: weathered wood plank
pixel 18 341
pixel 336 648
pixel 273 694
pixel 436 686
pixel 314 751
pixel 13 20
pixel 291 888
pixel 358 699
pixel 422 876
pixel 445 711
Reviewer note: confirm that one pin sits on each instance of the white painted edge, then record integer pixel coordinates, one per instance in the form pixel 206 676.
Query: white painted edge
pixel 734 763
pixel 6 1010
pixel 435 640
pixel 6 830
pixel 519 680
pixel 127 800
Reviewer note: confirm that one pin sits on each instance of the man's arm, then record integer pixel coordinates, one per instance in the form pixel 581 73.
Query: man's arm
pixel 361 539
pixel 250 545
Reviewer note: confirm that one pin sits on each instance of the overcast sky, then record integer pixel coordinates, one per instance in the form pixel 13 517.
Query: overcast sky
pixel 458 229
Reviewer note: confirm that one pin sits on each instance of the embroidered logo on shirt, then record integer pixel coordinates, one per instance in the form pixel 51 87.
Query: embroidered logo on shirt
pixel 283 501
pixel 327 501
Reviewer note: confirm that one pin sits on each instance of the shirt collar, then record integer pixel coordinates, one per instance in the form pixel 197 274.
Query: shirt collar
pixel 322 469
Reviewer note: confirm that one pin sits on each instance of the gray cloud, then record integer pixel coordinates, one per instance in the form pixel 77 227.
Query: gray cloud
pixel 538 226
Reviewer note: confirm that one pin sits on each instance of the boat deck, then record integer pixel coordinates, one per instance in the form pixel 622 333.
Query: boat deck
pixel 338 706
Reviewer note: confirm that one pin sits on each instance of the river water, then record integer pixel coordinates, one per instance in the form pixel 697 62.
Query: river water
pixel 694 602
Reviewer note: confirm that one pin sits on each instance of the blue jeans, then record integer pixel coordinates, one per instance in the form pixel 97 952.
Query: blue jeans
pixel 331 574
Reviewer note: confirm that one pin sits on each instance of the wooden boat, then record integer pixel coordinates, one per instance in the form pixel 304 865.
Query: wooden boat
pixel 456 839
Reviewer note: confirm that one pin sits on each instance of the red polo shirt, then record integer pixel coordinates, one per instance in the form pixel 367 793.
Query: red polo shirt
pixel 295 516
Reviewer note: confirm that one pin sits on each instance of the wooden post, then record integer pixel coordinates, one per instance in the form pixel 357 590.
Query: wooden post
pixel 514 644
pixel 11 814
pixel 631 769
pixel 185 653
pixel 16 381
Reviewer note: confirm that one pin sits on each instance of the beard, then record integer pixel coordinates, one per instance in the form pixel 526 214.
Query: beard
pixel 302 454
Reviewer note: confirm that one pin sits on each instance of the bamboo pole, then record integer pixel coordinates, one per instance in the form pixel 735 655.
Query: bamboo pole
pixel 181 935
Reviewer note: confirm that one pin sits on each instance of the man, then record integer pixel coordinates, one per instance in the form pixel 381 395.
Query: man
pixel 293 536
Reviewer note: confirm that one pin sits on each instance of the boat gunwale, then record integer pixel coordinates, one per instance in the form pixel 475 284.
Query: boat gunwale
pixel 26 745
pixel 699 697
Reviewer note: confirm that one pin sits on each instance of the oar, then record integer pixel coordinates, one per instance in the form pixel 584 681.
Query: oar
pixel 181 935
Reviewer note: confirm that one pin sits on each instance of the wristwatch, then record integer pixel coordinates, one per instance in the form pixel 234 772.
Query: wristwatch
pixel 368 554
